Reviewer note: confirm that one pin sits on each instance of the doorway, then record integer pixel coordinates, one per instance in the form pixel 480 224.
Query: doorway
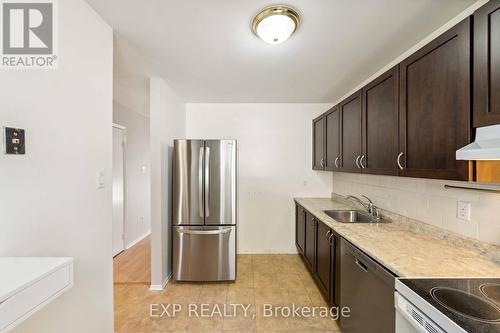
pixel 118 190
pixel 131 244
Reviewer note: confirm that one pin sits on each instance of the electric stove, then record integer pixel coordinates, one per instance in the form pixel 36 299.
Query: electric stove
pixel 453 304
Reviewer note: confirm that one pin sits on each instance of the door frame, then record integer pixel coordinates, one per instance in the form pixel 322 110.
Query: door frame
pixel 123 129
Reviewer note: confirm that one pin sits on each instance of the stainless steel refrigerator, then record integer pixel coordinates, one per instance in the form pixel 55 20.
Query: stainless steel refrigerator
pixel 204 210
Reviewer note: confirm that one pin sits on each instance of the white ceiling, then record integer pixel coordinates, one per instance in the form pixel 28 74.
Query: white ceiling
pixel 208 53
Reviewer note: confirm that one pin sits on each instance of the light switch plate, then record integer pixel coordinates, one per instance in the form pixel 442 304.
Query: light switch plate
pixel 100 183
pixel 463 210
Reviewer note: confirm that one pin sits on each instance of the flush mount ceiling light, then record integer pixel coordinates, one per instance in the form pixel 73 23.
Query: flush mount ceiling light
pixel 275 24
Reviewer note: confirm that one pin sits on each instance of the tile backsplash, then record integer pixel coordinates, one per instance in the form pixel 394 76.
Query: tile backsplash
pixel 428 201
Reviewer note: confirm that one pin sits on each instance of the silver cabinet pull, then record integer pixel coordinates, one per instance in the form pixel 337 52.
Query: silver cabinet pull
pixel 337 162
pixel 328 234
pixel 330 239
pixel 322 162
pixel 399 161
pixel 357 162
pixel 361 162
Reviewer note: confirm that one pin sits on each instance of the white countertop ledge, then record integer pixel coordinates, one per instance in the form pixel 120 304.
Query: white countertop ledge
pixel 29 283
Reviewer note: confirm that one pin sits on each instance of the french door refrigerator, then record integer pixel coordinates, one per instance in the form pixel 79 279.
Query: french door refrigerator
pixel 204 210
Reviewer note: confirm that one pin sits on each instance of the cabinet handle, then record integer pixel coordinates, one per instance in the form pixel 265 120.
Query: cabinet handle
pixel 327 234
pixel 322 162
pixel 330 239
pixel 399 161
pixel 357 162
pixel 337 162
pixel 361 162
pixel 361 265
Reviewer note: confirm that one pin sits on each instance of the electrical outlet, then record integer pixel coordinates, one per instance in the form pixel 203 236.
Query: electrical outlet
pixel 14 141
pixel 463 210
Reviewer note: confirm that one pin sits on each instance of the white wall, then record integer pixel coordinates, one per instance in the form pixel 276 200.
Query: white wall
pixel 428 201
pixel 167 122
pixel 49 204
pixel 137 183
pixel 274 143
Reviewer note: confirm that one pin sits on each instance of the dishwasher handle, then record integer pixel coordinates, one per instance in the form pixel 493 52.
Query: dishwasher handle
pixel 361 265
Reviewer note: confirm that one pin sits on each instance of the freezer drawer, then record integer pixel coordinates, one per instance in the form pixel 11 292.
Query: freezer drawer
pixel 204 253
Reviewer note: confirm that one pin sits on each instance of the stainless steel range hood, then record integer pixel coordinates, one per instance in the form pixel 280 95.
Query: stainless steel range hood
pixel 486 146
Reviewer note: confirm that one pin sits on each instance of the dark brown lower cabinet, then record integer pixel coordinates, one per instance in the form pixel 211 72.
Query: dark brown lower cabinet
pixel 321 254
pixel 322 270
pixel 310 238
pixel 300 228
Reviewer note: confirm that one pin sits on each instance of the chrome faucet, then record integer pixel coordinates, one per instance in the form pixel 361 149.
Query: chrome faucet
pixel 370 207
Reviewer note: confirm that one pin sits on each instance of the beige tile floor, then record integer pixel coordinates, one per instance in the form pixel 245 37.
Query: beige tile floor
pixel 280 280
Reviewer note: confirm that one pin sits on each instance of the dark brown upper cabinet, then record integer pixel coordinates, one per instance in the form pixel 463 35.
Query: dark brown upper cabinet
pixel 350 119
pixel 487 64
pixel 435 107
pixel 332 119
pixel 380 124
pixel 318 130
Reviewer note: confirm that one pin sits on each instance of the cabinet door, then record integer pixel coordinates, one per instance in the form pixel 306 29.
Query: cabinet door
pixel 487 64
pixel 332 119
pixel 435 107
pixel 350 120
pixel 335 270
pixel 323 258
pixel 319 143
pixel 380 124
pixel 300 228
pixel 310 245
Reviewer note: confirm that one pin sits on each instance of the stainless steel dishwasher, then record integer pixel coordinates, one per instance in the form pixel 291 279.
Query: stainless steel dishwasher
pixel 367 289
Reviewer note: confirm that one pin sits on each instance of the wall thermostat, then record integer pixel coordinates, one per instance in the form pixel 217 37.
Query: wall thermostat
pixel 14 141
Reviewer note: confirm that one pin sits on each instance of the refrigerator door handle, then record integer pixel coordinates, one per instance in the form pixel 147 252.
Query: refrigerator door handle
pixel 204 232
pixel 200 183
pixel 207 181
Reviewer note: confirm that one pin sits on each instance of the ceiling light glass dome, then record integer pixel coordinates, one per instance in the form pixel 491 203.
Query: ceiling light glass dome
pixel 275 24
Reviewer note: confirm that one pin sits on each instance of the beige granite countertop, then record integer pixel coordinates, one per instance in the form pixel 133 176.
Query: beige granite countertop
pixel 403 250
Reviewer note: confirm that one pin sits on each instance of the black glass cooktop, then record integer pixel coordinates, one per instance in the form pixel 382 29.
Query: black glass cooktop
pixel 473 304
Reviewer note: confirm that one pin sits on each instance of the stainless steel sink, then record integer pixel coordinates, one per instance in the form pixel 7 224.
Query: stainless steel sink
pixel 352 216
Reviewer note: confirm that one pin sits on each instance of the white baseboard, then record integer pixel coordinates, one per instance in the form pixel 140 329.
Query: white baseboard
pixel 137 240
pixel 268 252
pixel 160 287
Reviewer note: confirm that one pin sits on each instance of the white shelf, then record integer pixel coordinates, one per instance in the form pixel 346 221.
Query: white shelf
pixel 28 284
